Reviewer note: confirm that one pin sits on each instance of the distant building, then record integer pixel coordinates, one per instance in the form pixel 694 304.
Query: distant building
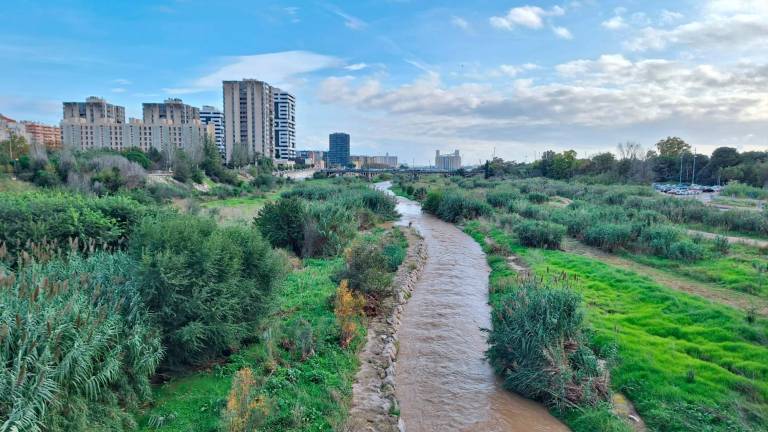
pixel 248 120
pixel 172 111
pixel 93 111
pixel 38 133
pixel 213 117
pixel 448 162
pixel 96 124
pixel 386 161
pixel 315 158
pixel 285 124
pixel 10 127
pixel 338 149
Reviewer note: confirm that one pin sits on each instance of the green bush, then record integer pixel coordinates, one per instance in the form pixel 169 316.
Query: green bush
pixel 660 238
pixel 76 344
pixel 540 234
pixel 686 250
pixel 744 191
pixel 454 206
pixel 537 344
pixel 206 286
pixel 501 198
pixel 537 198
pixel 330 227
pixel 367 270
pixel 608 236
pixel 54 218
pixel 282 223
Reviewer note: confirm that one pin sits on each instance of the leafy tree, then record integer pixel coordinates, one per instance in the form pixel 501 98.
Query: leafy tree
pixel 672 147
pixel 138 156
pixel 182 166
pixel 13 148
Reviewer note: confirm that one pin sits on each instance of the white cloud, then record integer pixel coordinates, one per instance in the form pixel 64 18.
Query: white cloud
pixel 525 16
pixel 122 81
pixel 669 17
pixel 615 23
pixel 562 33
pixel 281 69
pixel 118 90
pixel 350 21
pixel 356 67
pixel 460 23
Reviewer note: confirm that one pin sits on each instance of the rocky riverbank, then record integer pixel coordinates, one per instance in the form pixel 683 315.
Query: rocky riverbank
pixel 374 404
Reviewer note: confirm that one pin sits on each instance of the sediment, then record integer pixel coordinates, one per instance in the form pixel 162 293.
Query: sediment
pixel 374 404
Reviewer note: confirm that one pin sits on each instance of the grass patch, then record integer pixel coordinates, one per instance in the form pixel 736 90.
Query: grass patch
pixel 686 364
pixel 310 394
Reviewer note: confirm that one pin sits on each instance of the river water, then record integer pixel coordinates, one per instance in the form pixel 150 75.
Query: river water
pixel 443 382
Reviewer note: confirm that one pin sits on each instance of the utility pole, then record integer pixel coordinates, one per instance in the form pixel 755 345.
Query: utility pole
pixel 681 170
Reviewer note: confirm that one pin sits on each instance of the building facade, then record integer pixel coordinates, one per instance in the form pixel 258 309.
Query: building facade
pixel 385 161
pixel 314 158
pixel 338 149
pixel 214 118
pixel 447 162
pixel 94 110
pixel 96 124
pixel 38 133
pixel 10 128
pixel 248 120
pixel 172 111
pixel 285 124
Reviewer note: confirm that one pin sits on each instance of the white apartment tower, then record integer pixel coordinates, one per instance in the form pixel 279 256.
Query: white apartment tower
pixel 248 120
pixel 211 116
pixel 447 162
pixel 285 124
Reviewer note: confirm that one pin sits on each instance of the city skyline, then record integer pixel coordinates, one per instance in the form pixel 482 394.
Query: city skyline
pixel 517 77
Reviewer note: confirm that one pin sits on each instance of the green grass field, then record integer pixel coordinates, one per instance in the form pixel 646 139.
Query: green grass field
pixel 685 363
pixel 309 395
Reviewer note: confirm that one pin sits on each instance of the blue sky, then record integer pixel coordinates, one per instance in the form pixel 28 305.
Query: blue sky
pixel 410 77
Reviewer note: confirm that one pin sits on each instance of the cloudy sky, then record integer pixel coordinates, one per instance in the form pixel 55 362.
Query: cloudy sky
pixel 413 76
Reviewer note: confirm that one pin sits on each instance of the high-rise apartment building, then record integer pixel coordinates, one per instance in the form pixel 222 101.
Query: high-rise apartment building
pixel 10 128
pixel 248 120
pixel 93 111
pixel 213 117
pixel 338 149
pixel 285 124
pixel 447 162
pixel 97 124
pixel 38 133
pixel 172 111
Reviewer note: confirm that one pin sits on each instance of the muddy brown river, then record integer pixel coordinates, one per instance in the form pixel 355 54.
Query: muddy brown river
pixel 443 383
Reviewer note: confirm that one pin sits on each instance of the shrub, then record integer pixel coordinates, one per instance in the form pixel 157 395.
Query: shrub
pixel 685 250
pixel 537 198
pixel 282 223
pixel 78 347
pixel 537 344
pixel 454 206
pixel 540 234
pixel 367 270
pixel 246 409
pixel 206 286
pixel 328 229
pixel 722 245
pixel 501 198
pixel 608 236
pixel 58 218
pixel 659 238
pixel 348 308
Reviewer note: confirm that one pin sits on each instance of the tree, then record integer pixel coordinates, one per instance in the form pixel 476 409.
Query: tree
pixel 724 157
pixel 13 148
pixel 603 162
pixel 672 147
pixel 282 223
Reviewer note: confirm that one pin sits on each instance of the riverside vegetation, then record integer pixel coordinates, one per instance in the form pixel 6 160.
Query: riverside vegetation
pixel 569 329
pixel 122 312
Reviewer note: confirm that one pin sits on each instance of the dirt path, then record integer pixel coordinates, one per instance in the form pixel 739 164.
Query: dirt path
pixel 731 239
pixel 711 292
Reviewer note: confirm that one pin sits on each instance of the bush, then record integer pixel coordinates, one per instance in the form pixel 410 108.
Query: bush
pixel 55 219
pixel 659 238
pixel 206 286
pixel 608 236
pixel 78 347
pixel 537 344
pixel 282 224
pixel 501 198
pixel 367 270
pixel 537 198
pixel 686 250
pixel 454 206
pixel 328 229
pixel 540 234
